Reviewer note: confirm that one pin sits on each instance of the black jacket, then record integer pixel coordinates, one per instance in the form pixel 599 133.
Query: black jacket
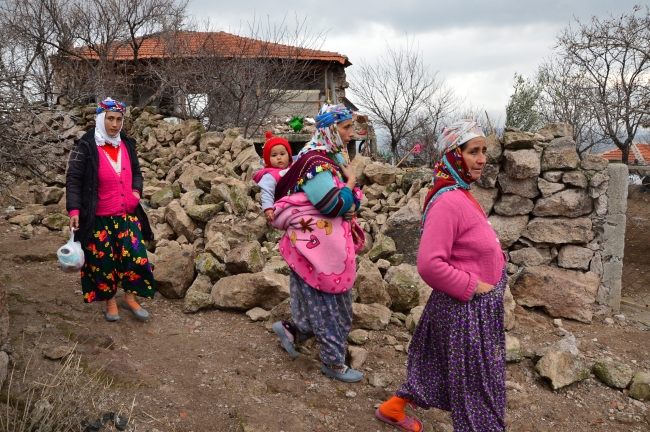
pixel 81 185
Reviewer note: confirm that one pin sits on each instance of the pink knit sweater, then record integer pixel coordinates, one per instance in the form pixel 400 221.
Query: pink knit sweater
pixel 115 196
pixel 458 247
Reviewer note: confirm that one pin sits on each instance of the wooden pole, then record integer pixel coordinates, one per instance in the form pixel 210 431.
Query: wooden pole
pixel 490 123
pixel 404 158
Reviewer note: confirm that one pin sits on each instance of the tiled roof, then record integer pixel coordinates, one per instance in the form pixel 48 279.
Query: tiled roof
pixel 616 154
pixel 196 44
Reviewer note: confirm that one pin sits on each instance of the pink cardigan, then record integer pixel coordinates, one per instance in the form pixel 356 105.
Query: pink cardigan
pixel 458 247
pixel 115 196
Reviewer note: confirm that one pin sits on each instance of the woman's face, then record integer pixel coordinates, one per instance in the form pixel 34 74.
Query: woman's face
pixel 474 156
pixel 346 131
pixel 113 123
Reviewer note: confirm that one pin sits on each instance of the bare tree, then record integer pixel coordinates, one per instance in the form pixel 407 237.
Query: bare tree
pixel 399 91
pixel 615 75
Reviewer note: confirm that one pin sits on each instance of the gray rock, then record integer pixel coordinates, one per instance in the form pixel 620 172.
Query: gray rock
pixel 494 149
pixel 4 367
pixel 203 213
pixel 380 174
pixel 562 369
pixel 513 349
pixel 186 179
pixel 57 353
pixel 575 178
pixel 47 195
pixel 245 258
pixel 383 248
pixel 174 272
pixel 516 140
pixel 566 344
pixel 56 221
pixel 258 314
pixel 403 288
pixel 370 317
pixel 542 285
pixel 508 228
pixel 592 162
pixel 522 164
pixel 526 188
pixel 180 222
pixel 358 357
pixel 574 257
pixel 640 387
pixel 560 153
pixel 614 374
pixel 569 203
pixel 509 309
pixel 557 130
pixel 559 230
pixel 195 301
pixel 380 379
pixel 513 205
pixel 413 318
pixel 411 176
pixel 206 264
pixel 485 197
pixel 488 178
pixel 548 188
pixel 404 228
pixel 553 176
pixel 358 337
pixel 530 257
pixel 277 264
pixel 370 285
pixel 164 196
pixel 23 220
pixel 246 291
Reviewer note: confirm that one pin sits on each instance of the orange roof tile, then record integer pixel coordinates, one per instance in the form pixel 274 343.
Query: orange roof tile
pixel 616 154
pixel 196 44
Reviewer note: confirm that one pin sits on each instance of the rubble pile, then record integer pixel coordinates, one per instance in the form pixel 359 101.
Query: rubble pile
pixel 554 215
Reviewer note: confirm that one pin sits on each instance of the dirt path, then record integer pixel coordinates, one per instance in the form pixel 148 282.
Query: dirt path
pixel 217 371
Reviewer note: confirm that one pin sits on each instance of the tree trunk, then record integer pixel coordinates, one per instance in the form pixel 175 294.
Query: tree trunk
pixel 625 151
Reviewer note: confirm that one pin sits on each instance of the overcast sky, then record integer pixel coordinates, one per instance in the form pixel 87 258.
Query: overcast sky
pixel 475 45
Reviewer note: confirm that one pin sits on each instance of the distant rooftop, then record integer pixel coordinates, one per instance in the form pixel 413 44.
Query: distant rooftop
pixel 617 154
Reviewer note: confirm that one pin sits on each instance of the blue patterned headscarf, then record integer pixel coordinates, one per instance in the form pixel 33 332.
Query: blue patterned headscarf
pixel 109 104
pixel 101 136
pixel 327 138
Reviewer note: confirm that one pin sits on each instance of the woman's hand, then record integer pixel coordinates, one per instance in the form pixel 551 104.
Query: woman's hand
pixel 136 194
pixel 483 287
pixel 74 223
pixel 348 173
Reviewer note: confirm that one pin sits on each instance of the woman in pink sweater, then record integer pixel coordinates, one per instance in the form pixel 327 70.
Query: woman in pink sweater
pixel 103 189
pixel 457 354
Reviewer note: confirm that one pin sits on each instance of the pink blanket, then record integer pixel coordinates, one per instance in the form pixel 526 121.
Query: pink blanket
pixel 320 249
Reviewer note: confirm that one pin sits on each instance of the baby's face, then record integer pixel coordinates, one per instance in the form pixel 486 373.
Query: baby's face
pixel 279 156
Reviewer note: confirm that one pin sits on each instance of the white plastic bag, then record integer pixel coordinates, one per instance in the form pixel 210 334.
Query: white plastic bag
pixel 71 256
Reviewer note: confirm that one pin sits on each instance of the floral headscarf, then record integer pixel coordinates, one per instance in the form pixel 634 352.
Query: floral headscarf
pixel 101 136
pixel 327 138
pixel 451 171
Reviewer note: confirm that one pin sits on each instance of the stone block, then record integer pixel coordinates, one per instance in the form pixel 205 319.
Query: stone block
pixel 246 291
pixel 617 190
pixel 592 162
pixel 548 188
pixel 370 285
pixel 560 153
pixel 522 164
pixel 513 205
pixel 574 257
pixel 569 203
pixel 517 140
pixel 559 230
pixel 562 369
pixel 575 178
pixel 508 228
pixel 557 130
pixel 530 257
pixel 488 178
pixel 370 316
pixel 526 188
pixel 380 174
pixel 485 197
pixel 494 149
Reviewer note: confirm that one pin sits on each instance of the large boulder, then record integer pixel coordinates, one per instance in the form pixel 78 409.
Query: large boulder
pixel 562 368
pixel 592 162
pixel 246 291
pixel 561 153
pixel 245 258
pixel 369 284
pixel 568 203
pixel 640 387
pixel 559 230
pixel 174 272
pixel 207 264
pixel 370 316
pixel 557 130
pixel 614 374
pixel 186 179
pixel 508 228
pixel 513 205
pixel 180 222
pixel 164 196
pixel 562 293
pixel 47 195
pixel 526 188
pixel 380 174
pixel 198 295
pixel 383 248
pixel 404 228
pixel 575 257
pixel 203 213
pixel 403 287
pixel 522 164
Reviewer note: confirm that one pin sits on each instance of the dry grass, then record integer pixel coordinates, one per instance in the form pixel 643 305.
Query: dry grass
pixel 66 400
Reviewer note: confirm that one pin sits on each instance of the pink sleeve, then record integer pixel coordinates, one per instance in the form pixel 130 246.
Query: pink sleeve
pixel 74 213
pixel 440 229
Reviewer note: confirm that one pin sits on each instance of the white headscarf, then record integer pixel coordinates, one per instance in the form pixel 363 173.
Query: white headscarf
pixel 101 136
pixel 458 133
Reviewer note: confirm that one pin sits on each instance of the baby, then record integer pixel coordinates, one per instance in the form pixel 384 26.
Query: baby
pixel 277 158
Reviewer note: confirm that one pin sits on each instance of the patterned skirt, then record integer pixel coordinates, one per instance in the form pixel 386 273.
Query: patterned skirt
pixel 116 255
pixel 456 360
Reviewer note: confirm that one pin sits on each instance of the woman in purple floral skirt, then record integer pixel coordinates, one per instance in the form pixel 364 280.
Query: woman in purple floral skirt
pixel 456 357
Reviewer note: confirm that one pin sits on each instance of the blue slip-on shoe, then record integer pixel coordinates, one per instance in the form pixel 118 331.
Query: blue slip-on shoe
pixel 350 375
pixel 141 314
pixel 111 317
pixel 278 328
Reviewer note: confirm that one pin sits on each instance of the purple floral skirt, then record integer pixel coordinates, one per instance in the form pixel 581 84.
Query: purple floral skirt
pixel 456 360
